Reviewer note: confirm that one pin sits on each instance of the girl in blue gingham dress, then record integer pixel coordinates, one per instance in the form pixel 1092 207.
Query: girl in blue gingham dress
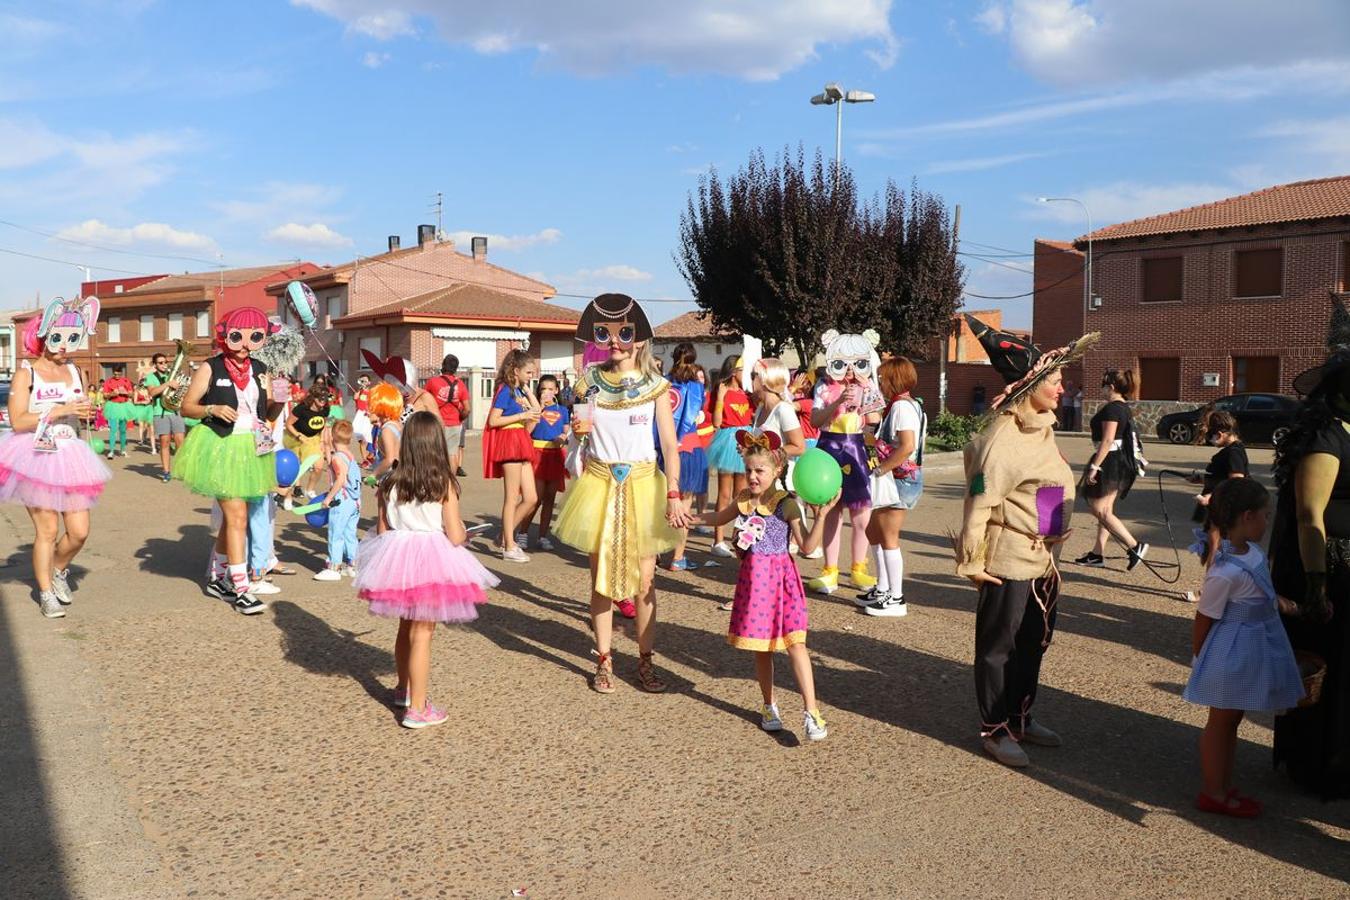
pixel 1243 661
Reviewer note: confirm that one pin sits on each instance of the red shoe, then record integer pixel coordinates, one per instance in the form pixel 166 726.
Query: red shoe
pixel 1232 805
pixel 1233 792
pixel 626 609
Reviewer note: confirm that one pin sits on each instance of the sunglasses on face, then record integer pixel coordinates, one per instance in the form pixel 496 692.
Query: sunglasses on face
pixel 623 335
pixel 237 339
pixel 860 367
pixel 63 340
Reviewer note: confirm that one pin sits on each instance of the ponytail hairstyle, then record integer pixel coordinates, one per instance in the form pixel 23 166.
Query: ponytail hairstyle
pixel 1122 381
pixel 683 360
pixel 1215 421
pixel 726 374
pixel 32 344
pixel 514 361
pixel 774 376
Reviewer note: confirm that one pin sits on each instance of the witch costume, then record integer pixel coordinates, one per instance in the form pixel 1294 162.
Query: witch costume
pixel 1310 565
pixel 1019 498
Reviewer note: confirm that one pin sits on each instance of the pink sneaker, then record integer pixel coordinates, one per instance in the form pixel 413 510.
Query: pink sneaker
pixel 626 609
pixel 425 717
pixel 401 698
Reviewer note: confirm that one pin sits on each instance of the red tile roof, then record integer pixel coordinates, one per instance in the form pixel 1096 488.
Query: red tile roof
pixel 228 277
pixel 1301 201
pixel 689 326
pixel 469 301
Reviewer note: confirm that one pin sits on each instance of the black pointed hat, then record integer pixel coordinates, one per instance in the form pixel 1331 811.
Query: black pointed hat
pixel 1338 343
pixel 1022 364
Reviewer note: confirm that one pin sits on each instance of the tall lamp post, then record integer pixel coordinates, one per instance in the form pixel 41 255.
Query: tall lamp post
pixel 835 96
pixel 1087 283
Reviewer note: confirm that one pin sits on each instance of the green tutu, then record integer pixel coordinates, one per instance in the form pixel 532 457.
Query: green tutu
pixel 336 413
pixel 118 410
pixel 227 468
pixel 141 413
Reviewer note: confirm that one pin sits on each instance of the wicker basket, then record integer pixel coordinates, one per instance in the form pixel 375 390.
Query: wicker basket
pixel 1313 668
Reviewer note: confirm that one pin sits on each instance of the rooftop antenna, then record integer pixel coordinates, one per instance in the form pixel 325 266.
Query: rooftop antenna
pixel 437 206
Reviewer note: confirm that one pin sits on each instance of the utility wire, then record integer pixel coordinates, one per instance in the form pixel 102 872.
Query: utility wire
pixel 106 249
pixel 67 262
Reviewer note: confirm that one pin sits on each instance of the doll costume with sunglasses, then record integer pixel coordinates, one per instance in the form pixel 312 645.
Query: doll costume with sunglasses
pixel 229 460
pixel 51 467
pixel 850 364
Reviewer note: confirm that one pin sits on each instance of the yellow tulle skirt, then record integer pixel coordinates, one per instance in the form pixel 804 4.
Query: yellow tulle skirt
pixel 619 515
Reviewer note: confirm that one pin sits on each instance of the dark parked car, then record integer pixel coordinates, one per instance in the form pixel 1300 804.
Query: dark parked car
pixel 1262 418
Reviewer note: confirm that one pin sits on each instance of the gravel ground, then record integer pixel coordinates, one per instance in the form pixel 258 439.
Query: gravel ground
pixel 155 744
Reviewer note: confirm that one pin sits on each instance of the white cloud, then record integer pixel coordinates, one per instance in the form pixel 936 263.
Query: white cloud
pixel 284 201
pixel 503 242
pixel 993 18
pixel 313 235
pixel 1077 42
pixel 146 233
pixel 373 60
pixel 1323 142
pixel 979 164
pixel 1122 201
pixel 613 273
pixel 754 39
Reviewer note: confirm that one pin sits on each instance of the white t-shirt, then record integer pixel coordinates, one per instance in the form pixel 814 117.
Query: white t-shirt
pixel 624 435
pixel 904 415
pixel 780 420
pixel 1226 583
pixel 247 410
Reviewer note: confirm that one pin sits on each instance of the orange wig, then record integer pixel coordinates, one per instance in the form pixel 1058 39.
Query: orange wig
pixel 386 402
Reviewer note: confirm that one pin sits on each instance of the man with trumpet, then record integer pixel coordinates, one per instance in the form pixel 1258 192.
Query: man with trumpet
pixel 168 423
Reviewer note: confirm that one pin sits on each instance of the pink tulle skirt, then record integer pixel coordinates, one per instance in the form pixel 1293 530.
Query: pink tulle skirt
pixel 420 575
pixel 67 480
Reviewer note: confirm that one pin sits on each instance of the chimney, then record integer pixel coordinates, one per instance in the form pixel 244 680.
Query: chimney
pixel 426 234
pixel 394 242
pixel 479 249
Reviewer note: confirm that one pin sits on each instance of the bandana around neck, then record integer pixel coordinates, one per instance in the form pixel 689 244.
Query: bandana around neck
pixel 239 371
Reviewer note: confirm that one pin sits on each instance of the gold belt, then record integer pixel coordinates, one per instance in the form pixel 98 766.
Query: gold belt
pixel 618 572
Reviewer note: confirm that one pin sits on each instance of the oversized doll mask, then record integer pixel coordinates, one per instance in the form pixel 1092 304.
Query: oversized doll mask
pixel 851 365
pixel 65 323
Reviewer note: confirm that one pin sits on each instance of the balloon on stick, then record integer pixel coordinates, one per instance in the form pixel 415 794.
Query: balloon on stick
pixel 302 302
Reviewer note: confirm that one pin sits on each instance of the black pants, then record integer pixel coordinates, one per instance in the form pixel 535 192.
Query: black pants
pixel 1013 625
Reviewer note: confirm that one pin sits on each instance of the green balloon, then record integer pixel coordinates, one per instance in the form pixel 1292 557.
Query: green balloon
pixel 96 444
pixel 817 477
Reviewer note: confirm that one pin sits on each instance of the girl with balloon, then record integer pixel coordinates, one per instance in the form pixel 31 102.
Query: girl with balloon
pixel 229 458
pixel 43 463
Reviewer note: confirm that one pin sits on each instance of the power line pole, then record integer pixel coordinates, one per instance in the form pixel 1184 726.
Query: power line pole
pixel 947 327
pixel 438 207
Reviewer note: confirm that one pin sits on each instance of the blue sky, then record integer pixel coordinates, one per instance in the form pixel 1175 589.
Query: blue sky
pixel 254 132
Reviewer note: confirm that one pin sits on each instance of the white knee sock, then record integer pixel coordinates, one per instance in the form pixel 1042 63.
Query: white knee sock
pixel 894 564
pixel 883 582
pixel 216 568
pixel 239 577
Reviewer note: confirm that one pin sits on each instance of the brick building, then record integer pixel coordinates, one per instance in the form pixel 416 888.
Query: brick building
pixel 426 301
pixel 1227 297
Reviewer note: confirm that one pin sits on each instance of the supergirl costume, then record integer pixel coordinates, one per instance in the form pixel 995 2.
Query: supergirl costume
pixel 412 571
pixel 1019 498
pixel 768 610
pixel 67 478
pixel 723 454
pixel 616 510
pixel 548 441
pixel 687 404
pixel 507 443
pixel 221 459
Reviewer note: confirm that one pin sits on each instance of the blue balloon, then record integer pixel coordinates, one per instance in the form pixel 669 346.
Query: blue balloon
pixel 302 302
pixel 288 467
pixel 318 518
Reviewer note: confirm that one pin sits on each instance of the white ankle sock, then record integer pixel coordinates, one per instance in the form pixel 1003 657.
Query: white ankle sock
pixel 894 566
pixel 883 582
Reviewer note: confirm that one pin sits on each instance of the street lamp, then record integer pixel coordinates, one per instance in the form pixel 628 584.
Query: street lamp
pixel 835 96
pixel 1087 284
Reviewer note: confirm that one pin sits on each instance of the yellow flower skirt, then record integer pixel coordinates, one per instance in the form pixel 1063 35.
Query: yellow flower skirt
pixel 617 511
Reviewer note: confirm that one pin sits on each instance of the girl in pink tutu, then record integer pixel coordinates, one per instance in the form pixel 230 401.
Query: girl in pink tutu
pixel 768 611
pixel 43 463
pixel 415 568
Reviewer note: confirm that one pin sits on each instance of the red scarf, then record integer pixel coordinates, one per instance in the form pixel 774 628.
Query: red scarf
pixel 239 372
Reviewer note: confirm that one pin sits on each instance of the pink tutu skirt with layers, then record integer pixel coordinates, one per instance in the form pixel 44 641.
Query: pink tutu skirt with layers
pixel 68 479
pixel 420 575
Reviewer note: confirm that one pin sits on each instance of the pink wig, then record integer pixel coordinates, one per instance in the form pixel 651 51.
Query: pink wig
pixel 241 318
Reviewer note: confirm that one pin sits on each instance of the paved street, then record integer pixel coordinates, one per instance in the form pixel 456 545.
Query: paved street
pixel 156 744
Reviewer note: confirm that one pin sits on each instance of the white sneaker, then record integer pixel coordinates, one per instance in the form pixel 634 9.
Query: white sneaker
pixel 328 575
pixel 515 554
pixel 769 719
pixel 887 606
pixel 544 544
pixel 818 553
pixel 815 726
pixel 721 549
pixel 1004 749
pixel 347 570
pixel 267 587
pixel 50 606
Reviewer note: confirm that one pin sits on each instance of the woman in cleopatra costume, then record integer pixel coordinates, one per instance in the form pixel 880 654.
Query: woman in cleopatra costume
pixel 622 510
pixel 1019 496
pixel 230 457
pixel 1310 565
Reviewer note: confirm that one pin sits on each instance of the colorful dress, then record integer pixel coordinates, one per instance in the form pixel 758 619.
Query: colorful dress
pixel 616 510
pixel 768 611
pixel 222 459
pixel 1246 661
pixel 843 439
pixel 548 437
pixel 506 443
pixel 737 414
pixel 67 476
pixel 412 571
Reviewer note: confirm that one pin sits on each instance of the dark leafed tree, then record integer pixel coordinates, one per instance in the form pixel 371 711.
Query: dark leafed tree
pixel 785 252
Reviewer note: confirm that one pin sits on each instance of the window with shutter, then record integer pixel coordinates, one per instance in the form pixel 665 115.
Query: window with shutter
pixel 1258 273
pixel 1163 279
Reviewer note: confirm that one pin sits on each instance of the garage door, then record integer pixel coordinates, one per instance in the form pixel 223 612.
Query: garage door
pixel 475 347
pixel 555 356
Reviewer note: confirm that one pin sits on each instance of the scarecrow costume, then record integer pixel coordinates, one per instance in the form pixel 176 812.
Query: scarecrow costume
pixel 1019 498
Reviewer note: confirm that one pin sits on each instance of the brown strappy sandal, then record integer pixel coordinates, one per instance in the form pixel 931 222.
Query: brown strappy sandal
pixel 647 678
pixel 603 681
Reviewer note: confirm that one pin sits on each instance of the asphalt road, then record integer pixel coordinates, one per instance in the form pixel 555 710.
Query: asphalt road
pixel 156 744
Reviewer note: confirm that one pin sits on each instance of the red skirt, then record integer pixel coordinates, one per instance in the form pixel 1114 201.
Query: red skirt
pixel 550 466
pixel 503 445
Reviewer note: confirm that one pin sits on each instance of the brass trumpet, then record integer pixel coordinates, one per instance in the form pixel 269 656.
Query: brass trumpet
pixel 178 378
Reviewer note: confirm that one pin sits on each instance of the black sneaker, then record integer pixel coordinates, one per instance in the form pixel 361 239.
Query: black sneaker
pixel 248 605
pixel 887 606
pixel 1137 554
pixel 460 473
pixel 867 597
pixel 1091 559
pixel 222 589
